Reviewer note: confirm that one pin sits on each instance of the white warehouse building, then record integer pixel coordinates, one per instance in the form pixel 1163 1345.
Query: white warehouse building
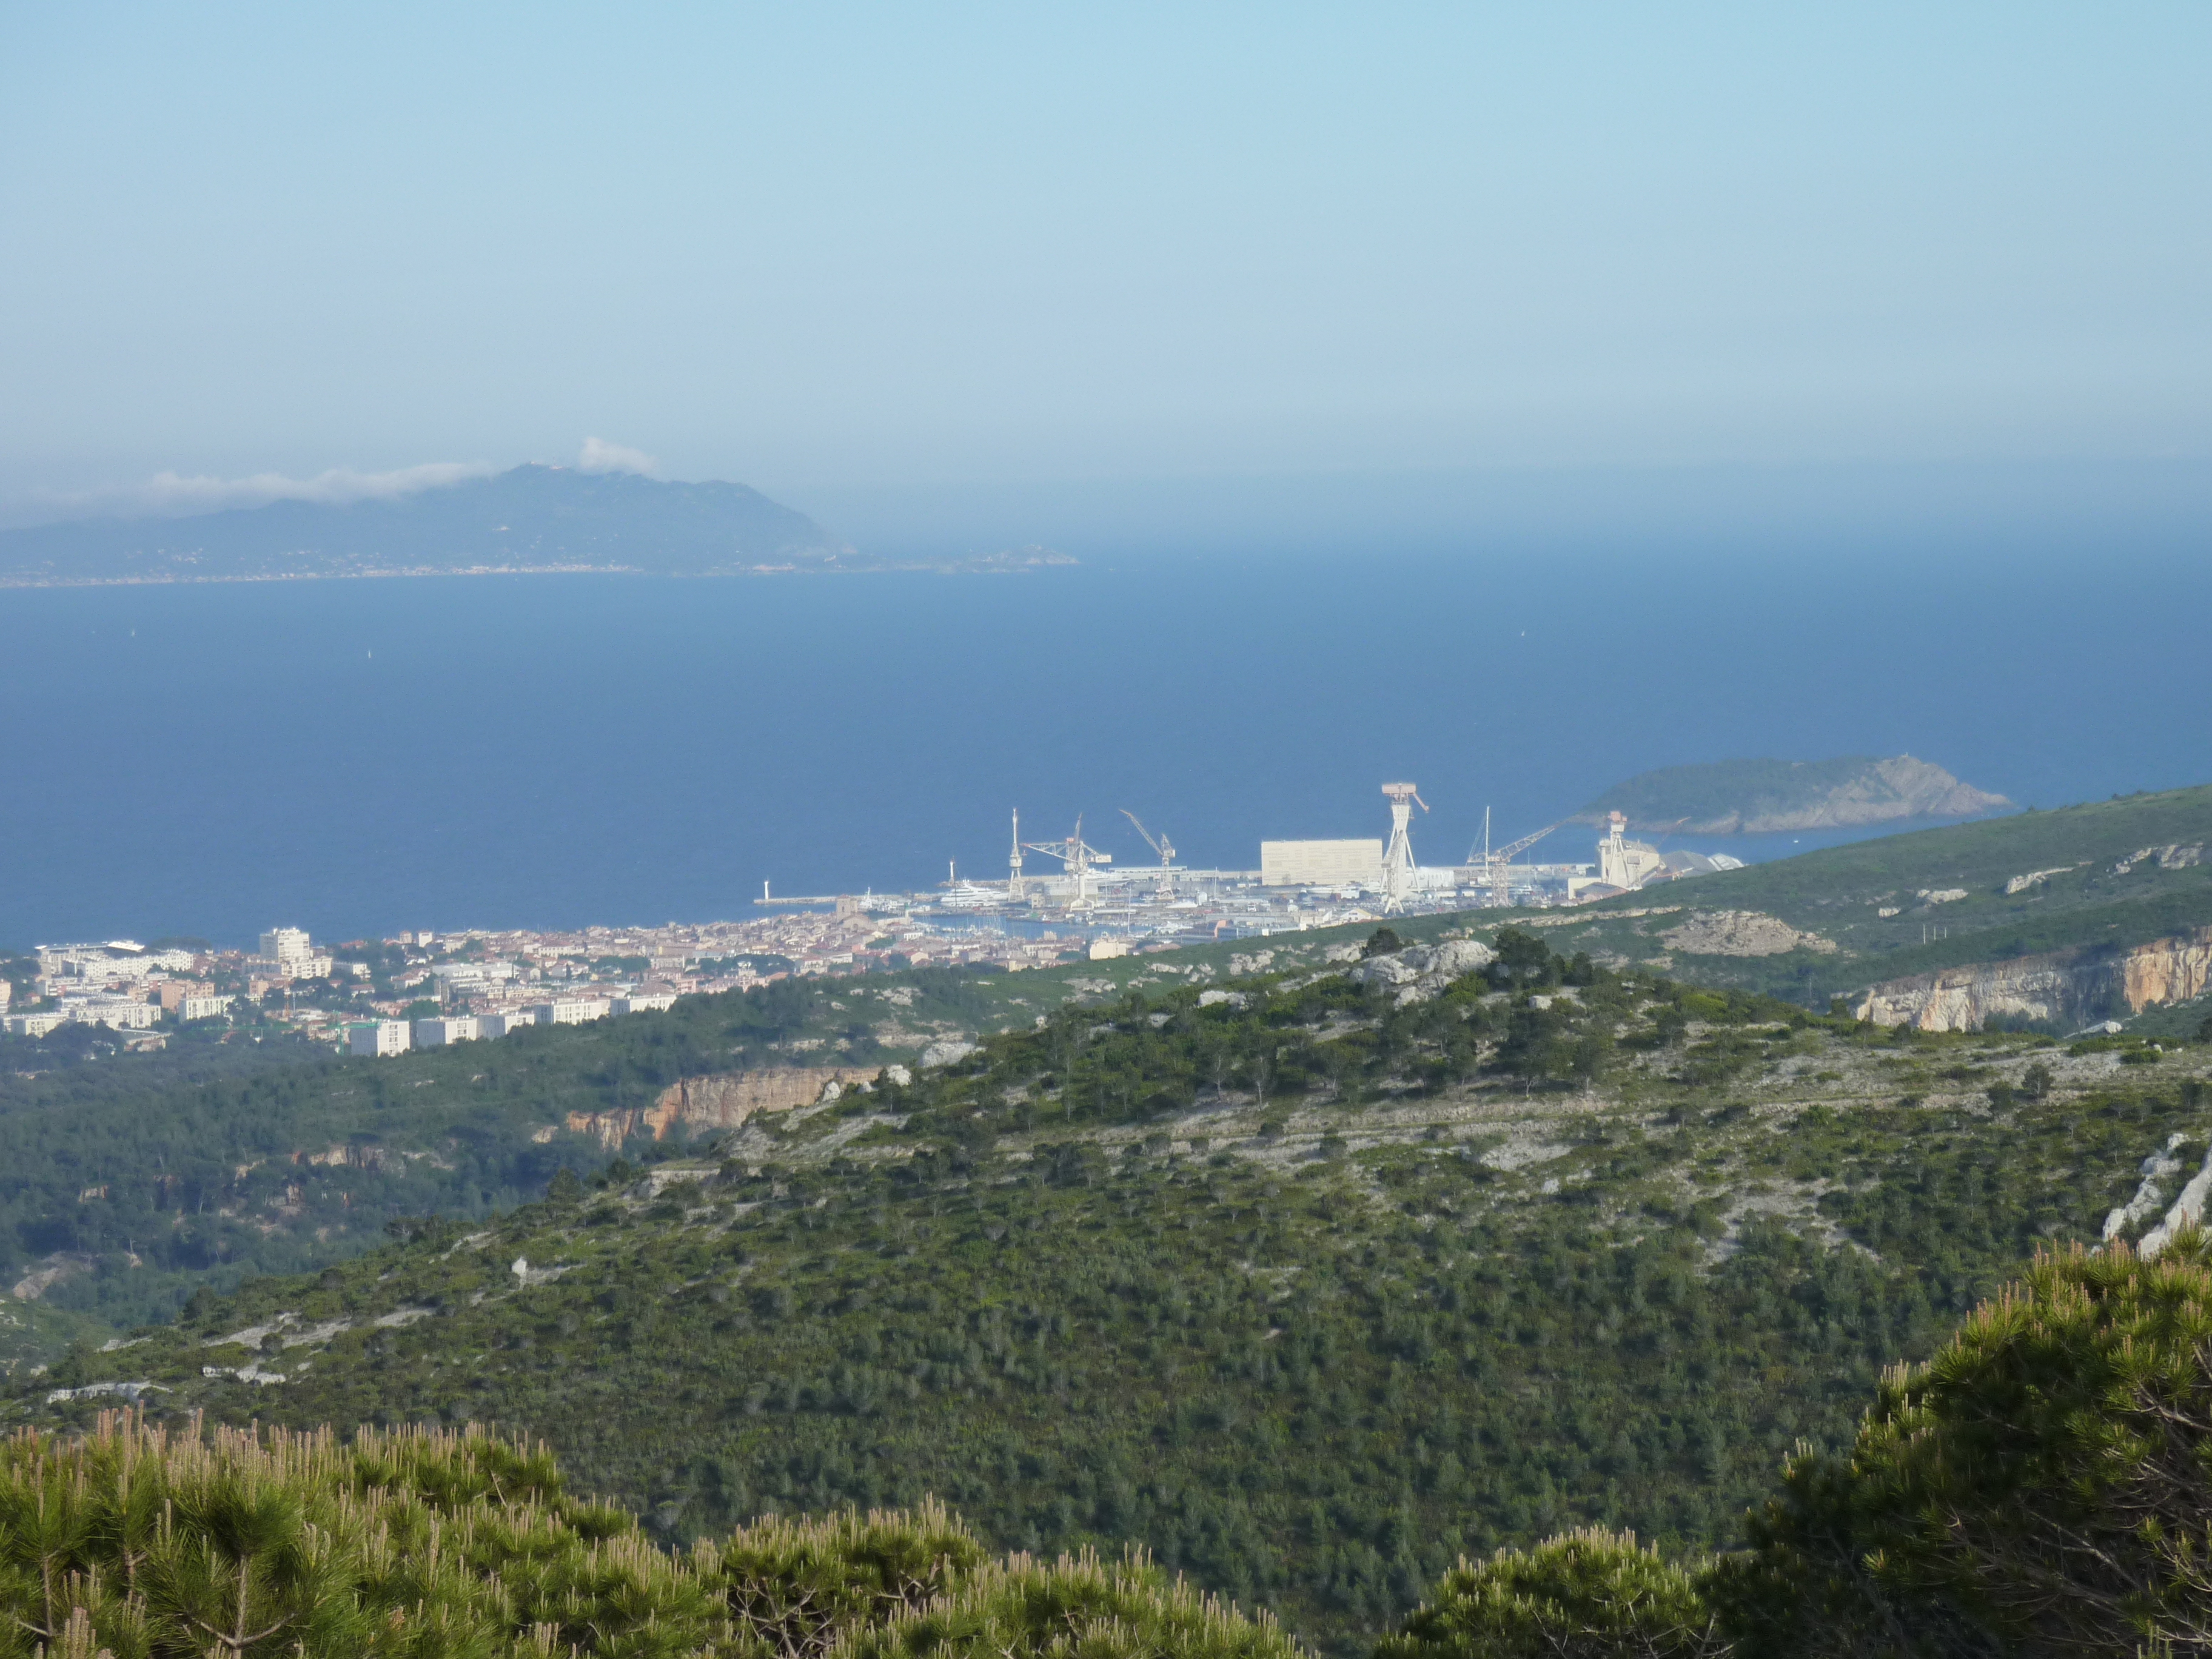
pixel 1320 863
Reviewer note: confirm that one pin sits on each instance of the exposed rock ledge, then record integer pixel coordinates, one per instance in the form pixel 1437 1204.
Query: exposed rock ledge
pixel 2067 987
pixel 723 1100
pixel 1422 971
pixel 1740 933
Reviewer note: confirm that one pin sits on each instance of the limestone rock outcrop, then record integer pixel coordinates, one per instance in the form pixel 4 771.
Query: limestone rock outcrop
pixel 2150 1193
pixel 2035 877
pixel 1421 971
pixel 1740 933
pixel 720 1100
pixel 2067 987
pixel 2187 1211
pixel 2174 856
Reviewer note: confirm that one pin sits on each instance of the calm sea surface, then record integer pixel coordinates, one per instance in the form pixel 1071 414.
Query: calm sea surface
pixel 362 757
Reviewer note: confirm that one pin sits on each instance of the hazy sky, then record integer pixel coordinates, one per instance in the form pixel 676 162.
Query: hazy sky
pixel 828 247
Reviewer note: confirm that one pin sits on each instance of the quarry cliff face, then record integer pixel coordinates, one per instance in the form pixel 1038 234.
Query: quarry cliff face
pixel 2167 970
pixel 724 1101
pixel 2067 987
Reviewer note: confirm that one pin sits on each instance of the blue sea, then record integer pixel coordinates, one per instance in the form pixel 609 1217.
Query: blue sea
pixel 358 757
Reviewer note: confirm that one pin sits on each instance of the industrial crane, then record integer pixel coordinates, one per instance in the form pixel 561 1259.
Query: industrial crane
pixel 1494 864
pixel 1076 858
pixel 1164 848
pixel 1399 874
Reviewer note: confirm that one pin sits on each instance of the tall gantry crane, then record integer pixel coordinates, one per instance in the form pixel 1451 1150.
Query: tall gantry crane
pixel 1493 866
pixel 1400 875
pixel 1162 846
pixel 1076 858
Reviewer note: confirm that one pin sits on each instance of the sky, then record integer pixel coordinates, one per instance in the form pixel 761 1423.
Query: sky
pixel 888 262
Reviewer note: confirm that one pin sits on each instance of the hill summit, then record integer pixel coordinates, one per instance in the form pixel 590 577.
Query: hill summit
pixel 1756 797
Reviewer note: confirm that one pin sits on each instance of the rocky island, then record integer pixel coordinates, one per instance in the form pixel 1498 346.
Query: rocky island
pixel 1759 797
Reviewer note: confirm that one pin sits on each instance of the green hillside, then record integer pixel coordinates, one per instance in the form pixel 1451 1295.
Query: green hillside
pixel 1309 1288
pixel 140 1178
pixel 136 1178
pixel 2083 900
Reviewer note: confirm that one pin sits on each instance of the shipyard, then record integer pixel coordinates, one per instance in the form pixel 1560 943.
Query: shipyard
pixel 1067 890
pixel 1059 900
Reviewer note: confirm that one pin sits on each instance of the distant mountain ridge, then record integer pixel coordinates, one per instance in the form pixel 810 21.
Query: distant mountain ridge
pixel 1758 797
pixel 528 519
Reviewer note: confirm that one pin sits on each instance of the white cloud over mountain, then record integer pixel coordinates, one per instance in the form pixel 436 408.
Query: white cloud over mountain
pixel 174 494
pixel 600 456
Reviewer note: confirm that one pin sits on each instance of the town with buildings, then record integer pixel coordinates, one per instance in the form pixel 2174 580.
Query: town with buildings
pixel 1058 900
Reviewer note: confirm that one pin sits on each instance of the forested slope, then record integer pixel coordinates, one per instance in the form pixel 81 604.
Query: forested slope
pixel 136 1178
pixel 1310 1282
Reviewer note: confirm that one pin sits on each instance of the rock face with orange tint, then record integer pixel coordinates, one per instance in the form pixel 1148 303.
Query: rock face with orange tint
pixel 2069 987
pixel 2167 970
pixel 723 1100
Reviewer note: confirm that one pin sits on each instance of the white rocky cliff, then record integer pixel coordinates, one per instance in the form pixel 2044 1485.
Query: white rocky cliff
pixel 2067 987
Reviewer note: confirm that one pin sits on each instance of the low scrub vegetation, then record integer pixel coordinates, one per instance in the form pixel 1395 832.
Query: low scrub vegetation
pixel 2039 1486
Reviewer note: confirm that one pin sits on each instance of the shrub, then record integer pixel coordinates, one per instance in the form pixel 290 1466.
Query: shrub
pixel 1078 1606
pixel 2041 1486
pixel 422 1544
pixel 134 1543
pixel 795 1587
pixel 1585 1595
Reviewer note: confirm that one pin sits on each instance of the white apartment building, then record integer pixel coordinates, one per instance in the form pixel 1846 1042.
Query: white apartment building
pixel 378 1037
pixel 118 1014
pixel 35 1023
pixel 638 1002
pixel 450 1028
pixel 571 1011
pixel 203 1007
pixel 499 1025
pixel 281 943
pixel 287 953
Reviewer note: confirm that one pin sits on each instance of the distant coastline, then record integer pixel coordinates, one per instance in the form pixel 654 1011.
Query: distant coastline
pixel 530 520
pixel 992 564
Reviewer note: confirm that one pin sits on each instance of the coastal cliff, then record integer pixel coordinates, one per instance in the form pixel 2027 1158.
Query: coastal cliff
pixel 2065 988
